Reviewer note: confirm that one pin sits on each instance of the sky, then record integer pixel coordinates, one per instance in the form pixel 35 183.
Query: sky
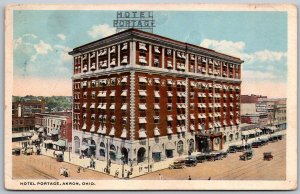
pixel 42 40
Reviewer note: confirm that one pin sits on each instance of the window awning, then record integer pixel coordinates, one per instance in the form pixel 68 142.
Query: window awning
pixel 179 83
pixel 124 133
pixel 112 131
pixel 112 106
pixel 142 120
pixel 112 50
pixel 179 117
pixel 183 129
pixel 92 105
pixel 192 116
pixel 124 93
pixel 178 129
pixel 142 59
pixel 179 105
pixel 156 106
pixel 92 130
pixel 169 118
pixel 113 62
pixel 142 107
pixel 156 49
pixel 170 94
pixel 124 107
pixel 142 80
pixel 183 117
pixel 193 84
pixel 231 123
pixel 142 46
pixel 124 80
pixel 169 131
pixel 200 127
pixel 112 93
pixel 99 129
pixel 183 105
pixel 84 126
pixel 169 82
pixel 103 107
pixel 124 46
pixel 99 106
pixel 156 80
pixel 192 128
pixel 210 125
pixel 179 94
pixel 156 94
pixel 169 64
pixel 84 105
pixel 102 94
pixel 124 60
pixel 142 93
pixel 142 133
pixel 156 131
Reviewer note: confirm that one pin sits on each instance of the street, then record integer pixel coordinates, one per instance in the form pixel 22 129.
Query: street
pixel 230 168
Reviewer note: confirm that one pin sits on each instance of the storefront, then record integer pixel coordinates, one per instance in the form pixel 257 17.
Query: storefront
pixel 169 150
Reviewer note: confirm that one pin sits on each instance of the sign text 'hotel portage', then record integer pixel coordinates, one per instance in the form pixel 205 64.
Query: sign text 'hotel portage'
pixel 142 20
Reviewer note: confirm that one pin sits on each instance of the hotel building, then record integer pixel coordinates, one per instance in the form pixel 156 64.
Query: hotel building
pixel 144 98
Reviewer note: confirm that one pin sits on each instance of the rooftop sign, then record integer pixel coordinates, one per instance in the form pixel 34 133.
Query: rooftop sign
pixel 142 20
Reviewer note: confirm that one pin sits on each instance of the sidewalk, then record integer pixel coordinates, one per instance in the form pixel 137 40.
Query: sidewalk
pixel 101 165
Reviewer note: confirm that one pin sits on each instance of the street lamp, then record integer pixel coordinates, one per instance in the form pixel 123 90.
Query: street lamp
pixel 123 162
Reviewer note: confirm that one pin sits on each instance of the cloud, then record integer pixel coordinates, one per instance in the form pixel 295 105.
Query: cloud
pixel 42 47
pixel 228 47
pixel 25 37
pixel 262 71
pixel 61 36
pixel 101 30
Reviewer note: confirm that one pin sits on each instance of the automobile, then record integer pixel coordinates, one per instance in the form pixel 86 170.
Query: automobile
pixel 224 154
pixel 273 138
pixel 279 137
pixel 214 156
pixel 178 164
pixel 232 149
pixel 264 141
pixel 191 161
pixel 247 155
pixel 59 156
pixel 29 151
pixel 201 158
pixel 268 156
pixel 256 144
pixel 17 151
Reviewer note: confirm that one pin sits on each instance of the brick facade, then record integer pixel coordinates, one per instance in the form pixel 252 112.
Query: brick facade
pixel 173 92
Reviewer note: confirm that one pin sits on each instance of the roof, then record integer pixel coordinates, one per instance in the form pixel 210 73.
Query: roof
pixel 133 31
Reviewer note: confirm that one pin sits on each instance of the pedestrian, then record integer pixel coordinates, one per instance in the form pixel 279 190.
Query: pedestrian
pixel 160 177
pixel 209 178
pixel 78 170
pixel 109 162
pixel 189 177
pixel 117 173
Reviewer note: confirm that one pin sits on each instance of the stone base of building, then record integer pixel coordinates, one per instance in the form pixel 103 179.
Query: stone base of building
pixel 117 150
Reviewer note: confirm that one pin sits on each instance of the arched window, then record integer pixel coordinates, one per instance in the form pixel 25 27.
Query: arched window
pixel 77 145
pixel 180 147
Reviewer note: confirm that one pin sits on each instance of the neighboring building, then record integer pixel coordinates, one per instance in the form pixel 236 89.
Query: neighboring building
pixel 23 114
pixel 280 113
pixel 55 127
pixel 256 109
pixel 147 98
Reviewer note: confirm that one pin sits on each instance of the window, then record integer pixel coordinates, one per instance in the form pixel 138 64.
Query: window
pixel 180 147
pixel 156 120
pixel 169 107
pixel 93 95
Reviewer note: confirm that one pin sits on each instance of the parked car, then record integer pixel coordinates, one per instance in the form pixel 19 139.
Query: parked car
pixel 59 156
pixel 256 144
pixel 273 138
pixel 268 156
pixel 178 164
pixel 264 141
pixel 191 161
pixel 201 158
pixel 224 154
pixel 232 149
pixel 247 155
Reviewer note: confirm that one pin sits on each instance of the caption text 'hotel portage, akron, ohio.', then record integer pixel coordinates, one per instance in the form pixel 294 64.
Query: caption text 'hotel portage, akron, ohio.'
pixel 140 97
